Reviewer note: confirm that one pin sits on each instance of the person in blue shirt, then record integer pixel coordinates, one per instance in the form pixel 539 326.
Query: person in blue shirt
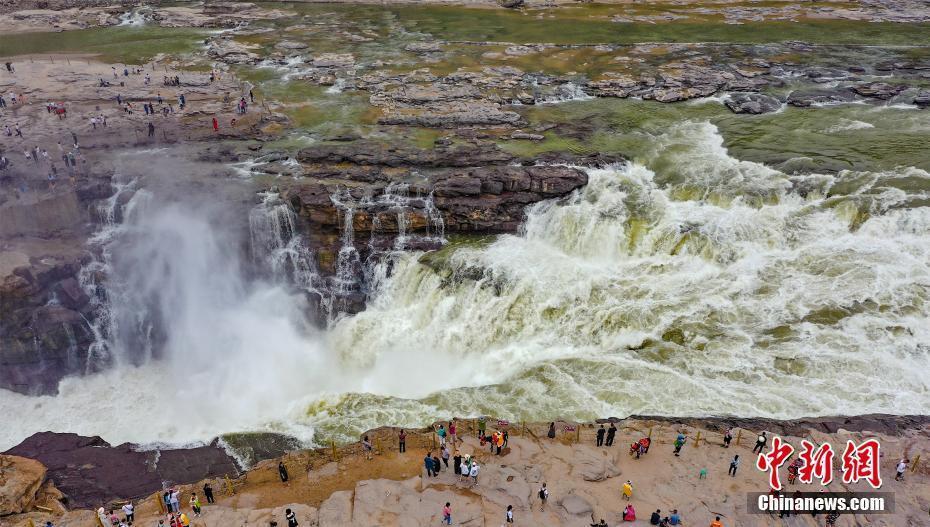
pixel 674 519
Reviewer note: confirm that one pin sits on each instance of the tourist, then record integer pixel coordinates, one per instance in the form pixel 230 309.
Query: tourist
pixel 600 435
pixel 216 125
pixel 656 517
pixel 734 464
pixel 175 500
pixel 543 496
pixel 428 464
pixel 611 433
pixel 679 442
pixel 716 522
pixel 402 441
pixel 183 520
pixel 291 518
pixel 902 466
pixel 508 517
pixel 93 122
pixel 500 442
pixel 208 492
pixel 452 431
pixel 129 511
pixel 473 472
pixel 727 437
pixel 675 518
pixel 551 433
pixel 463 469
pixel 629 513
pixel 602 523
pixel 251 96
pixel 195 504
pixel 445 456
pixel 442 435
pixel 436 465
pixel 366 444
pixel 151 129
pixel 2 101
pixel 482 425
pixel 282 472
pixel 447 514
pixel 19 133
pixel 760 443
pixel 628 490
pixel 9 67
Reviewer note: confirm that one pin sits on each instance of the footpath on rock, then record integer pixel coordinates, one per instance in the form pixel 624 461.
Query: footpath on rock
pixel 339 485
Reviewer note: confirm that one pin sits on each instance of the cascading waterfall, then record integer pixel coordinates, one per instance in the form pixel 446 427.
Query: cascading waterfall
pixel 686 283
pixel 277 246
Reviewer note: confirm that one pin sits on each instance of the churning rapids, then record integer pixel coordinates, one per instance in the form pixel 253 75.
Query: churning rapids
pixel 687 283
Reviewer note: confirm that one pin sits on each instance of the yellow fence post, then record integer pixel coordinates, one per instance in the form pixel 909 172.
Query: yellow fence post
pixel 523 431
pixel 650 434
pixel 739 435
pixel 161 503
pixel 31 523
pixel 229 486
pixel 333 445
pixel 578 434
pixel 916 462
pixel 697 441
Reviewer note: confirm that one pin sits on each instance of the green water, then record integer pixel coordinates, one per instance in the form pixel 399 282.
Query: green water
pixel 857 136
pixel 131 45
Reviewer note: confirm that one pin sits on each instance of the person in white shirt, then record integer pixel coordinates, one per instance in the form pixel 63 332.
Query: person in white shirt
pixel 902 466
pixel 129 511
pixel 474 473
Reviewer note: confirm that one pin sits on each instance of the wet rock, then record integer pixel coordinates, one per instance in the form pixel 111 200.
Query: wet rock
pixel 372 153
pixel 511 4
pixel 752 103
pixel 20 481
pixel 922 98
pixel 424 47
pixel 290 45
pixel 333 60
pixel 227 50
pixel 879 90
pixel 90 471
pixel 70 294
pixel 807 98
pixel 527 136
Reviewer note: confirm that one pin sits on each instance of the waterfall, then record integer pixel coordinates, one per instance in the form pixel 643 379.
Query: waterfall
pixel 738 284
pixel 277 245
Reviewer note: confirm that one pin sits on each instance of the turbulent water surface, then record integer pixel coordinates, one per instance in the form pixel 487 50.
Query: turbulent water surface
pixel 775 265
pixel 687 282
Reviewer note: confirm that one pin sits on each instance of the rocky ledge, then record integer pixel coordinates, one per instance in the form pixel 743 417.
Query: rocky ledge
pixel 360 201
pixel 89 471
pixel 337 486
